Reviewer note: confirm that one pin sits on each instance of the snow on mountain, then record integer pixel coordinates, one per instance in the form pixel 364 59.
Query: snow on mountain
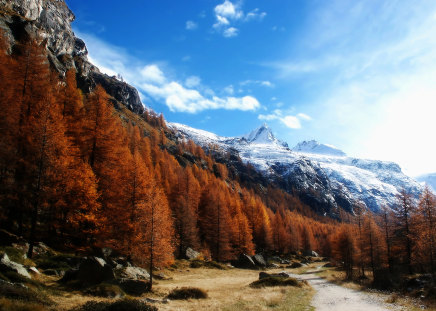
pixel 313 146
pixel 428 179
pixel 312 167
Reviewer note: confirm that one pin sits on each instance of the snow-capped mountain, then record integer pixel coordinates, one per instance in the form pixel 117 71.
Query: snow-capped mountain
pixel 322 175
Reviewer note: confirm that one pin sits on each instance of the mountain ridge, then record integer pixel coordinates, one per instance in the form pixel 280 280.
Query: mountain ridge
pixel 338 180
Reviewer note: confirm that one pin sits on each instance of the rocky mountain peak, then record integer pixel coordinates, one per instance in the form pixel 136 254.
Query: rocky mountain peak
pixel 263 135
pixel 49 21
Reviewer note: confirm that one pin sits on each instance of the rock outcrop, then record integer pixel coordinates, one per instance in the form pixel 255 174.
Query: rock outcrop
pixel 49 22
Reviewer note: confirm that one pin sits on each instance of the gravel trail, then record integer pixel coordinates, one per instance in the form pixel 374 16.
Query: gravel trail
pixel 331 297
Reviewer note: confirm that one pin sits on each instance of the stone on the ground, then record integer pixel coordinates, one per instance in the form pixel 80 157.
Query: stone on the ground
pixel 94 270
pixel 134 273
pixel 245 262
pixel 259 260
pixel 8 265
pixel 273 265
pixel 134 287
pixel 295 264
pixel 191 254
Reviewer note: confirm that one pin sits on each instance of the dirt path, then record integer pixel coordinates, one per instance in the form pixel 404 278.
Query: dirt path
pixel 330 296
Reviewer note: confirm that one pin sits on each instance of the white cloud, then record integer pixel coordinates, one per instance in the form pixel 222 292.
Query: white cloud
pixel 290 121
pixel 304 116
pixel 191 25
pixel 228 13
pixel 181 99
pixel 192 81
pixel 230 32
pixel 228 10
pixel 152 73
pixel 153 83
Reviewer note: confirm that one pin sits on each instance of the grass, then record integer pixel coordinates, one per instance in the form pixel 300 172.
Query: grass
pixel 13 305
pixel 284 299
pixel 187 293
pixel 277 281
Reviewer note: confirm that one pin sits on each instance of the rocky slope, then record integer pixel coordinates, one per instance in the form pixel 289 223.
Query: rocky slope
pixel 49 22
pixel 322 175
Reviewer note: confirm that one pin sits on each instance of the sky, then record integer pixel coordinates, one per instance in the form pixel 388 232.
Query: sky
pixel 359 75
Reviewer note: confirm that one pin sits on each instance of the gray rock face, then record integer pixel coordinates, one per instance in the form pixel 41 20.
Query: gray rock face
pixel 50 22
pixel 134 273
pixel 191 254
pixel 7 265
pixel 259 260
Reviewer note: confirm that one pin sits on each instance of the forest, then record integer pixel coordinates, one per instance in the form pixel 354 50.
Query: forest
pixel 78 173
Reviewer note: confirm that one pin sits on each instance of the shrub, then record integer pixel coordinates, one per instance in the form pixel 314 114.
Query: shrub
pixel 124 305
pixel 276 281
pixel 187 293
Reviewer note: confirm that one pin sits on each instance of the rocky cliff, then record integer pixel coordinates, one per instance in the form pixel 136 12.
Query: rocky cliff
pixel 49 22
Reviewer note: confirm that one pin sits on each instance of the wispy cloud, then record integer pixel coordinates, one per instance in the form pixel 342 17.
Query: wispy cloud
pixel 191 25
pixel 373 64
pixel 229 14
pixel 153 81
pixel 265 83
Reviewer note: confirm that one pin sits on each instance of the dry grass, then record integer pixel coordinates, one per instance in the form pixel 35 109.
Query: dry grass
pixel 230 290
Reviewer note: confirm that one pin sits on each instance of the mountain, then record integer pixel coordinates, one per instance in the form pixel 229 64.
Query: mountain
pixel 323 176
pixel 49 22
pixel 428 179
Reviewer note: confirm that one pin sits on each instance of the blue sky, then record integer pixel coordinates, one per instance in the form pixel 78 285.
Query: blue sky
pixel 360 75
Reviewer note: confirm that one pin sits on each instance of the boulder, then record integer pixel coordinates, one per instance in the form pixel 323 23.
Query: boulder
pixel 310 253
pixel 94 270
pixel 329 265
pixel 259 260
pixel 285 262
pixel 245 262
pixel 134 287
pixel 134 273
pixel 7 265
pixel 192 254
pixel 295 264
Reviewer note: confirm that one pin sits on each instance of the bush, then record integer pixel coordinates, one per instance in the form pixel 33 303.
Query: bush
pixel 187 293
pixel 277 281
pixel 120 305
pixel 22 293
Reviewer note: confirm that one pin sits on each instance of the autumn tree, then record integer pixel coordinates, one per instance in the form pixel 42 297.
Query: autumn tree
pixel 425 218
pixel 402 213
pixel 344 249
